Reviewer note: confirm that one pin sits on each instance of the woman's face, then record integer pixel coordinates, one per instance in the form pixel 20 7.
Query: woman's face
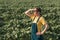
pixel 35 11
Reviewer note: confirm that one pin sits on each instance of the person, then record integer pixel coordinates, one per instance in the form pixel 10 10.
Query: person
pixel 37 22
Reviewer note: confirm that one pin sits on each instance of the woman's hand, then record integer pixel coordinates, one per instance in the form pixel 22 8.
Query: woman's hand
pixel 28 11
pixel 42 33
pixel 39 33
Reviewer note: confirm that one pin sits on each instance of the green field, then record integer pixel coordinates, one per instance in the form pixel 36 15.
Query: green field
pixel 15 25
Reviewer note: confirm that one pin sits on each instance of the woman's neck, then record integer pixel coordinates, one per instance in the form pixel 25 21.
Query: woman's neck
pixel 37 14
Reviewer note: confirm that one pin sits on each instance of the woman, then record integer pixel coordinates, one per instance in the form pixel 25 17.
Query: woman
pixel 37 22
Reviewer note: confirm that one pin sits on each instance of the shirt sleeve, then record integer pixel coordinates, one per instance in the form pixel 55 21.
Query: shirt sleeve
pixel 43 21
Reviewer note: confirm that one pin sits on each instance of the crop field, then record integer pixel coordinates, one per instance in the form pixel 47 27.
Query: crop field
pixel 15 25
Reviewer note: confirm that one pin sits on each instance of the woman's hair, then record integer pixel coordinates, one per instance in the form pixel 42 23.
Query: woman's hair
pixel 39 10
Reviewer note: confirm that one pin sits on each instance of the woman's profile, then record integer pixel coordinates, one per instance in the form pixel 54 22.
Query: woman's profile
pixel 37 22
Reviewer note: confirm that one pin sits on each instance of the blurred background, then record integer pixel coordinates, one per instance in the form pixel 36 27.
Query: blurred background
pixel 15 25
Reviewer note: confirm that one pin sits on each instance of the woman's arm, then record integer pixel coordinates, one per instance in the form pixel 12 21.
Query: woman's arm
pixel 28 12
pixel 41 33
pixel 46 27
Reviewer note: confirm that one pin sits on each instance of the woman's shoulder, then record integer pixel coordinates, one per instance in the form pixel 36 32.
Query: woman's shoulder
pixel 42 18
